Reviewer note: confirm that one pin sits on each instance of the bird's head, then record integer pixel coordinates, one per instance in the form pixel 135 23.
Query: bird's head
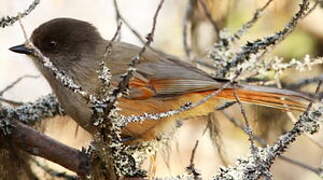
pixel 64 41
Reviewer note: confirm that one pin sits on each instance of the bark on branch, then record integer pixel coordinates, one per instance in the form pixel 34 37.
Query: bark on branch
pixel 38 144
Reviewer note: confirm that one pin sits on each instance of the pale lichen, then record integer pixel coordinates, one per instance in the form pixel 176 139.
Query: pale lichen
pixel 9 20
pixel 29 113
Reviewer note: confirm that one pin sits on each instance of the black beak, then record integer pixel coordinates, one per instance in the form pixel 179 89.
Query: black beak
pixel 21 49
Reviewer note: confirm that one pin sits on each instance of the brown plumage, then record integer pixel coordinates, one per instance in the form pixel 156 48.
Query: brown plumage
pixel 161 82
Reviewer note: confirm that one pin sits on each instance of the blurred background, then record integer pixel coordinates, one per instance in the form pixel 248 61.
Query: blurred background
pixel 229 14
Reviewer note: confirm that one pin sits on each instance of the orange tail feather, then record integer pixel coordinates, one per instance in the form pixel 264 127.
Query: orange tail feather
pixel 266 96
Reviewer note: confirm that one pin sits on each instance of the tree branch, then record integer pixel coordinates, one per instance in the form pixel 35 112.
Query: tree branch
pixel 41 145
pixel 9 20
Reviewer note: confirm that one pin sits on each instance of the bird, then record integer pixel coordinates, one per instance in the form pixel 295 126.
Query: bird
pixel 160 83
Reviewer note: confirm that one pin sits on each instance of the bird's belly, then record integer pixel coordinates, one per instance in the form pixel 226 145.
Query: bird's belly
pixel 151 129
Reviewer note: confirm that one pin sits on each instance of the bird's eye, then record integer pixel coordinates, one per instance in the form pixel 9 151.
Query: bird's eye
pixel 52 44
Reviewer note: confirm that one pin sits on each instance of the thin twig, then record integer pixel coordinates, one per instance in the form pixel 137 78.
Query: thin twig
pixel 191 167
pixel 316 91
pixel 150 36
pixel 248 127
pixel 108 50
pixel 118 31
pixel 317 2
pixel 15 83
pixel 11 102
pixel 193 152
pixel 237 123
pixel 317 171
pixel 303 82
pixel 245 27
pixel 119 16
pixel 214 128
pixel 226 105
pixel 187 19
pixel 23 30
pixel 209 17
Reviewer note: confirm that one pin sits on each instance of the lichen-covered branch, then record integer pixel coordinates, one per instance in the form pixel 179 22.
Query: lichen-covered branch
pixel 245 27
pixel 263 142
pixel 116 157
pixel 13 129
pixel 226 61
pixel 9 20
pixel 247 168
pixel 29 113
pixel 189 105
